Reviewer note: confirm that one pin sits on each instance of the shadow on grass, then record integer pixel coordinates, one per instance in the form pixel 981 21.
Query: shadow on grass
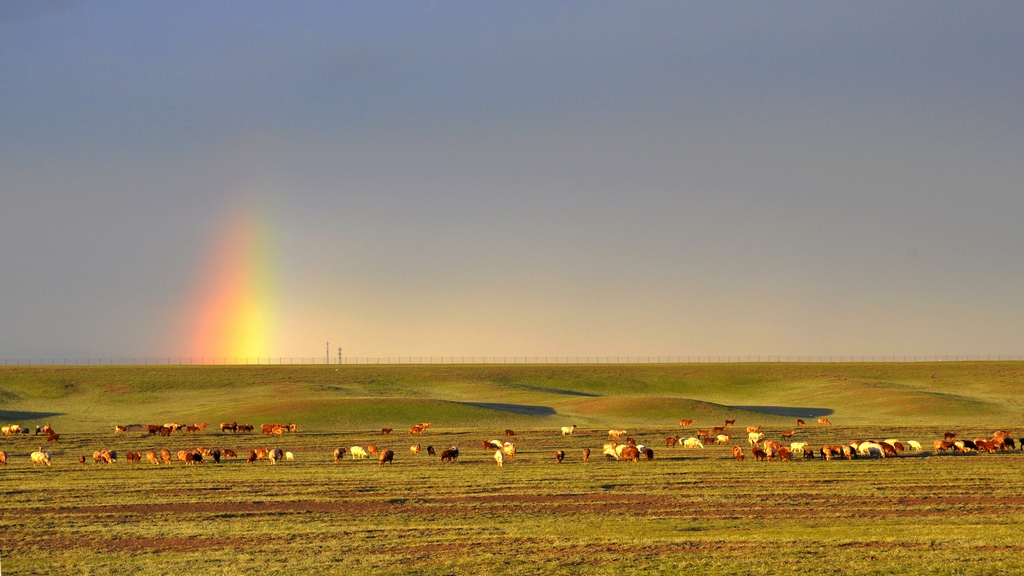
pixel 15 415
pixel 546 390
pixel 795 412
pixel 515 408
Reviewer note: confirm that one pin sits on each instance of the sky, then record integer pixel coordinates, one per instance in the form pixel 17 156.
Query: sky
pixel 246 179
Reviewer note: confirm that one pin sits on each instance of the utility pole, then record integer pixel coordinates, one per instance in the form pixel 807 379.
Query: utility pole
pixel 327 353
pixel 339 354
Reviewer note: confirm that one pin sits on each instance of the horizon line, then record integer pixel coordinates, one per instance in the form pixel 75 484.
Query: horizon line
pixel 511 360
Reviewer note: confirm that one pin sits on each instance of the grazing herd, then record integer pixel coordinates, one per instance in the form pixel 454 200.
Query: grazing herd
pixel 620 446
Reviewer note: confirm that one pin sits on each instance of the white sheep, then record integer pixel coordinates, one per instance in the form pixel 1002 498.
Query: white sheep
pixel 914 445
pixel 609 450
pixel 872 449
pixel 357 452
pixel 693 442
pixel 568 430
pixel 39 457
pixel 499 457
pixel 289 456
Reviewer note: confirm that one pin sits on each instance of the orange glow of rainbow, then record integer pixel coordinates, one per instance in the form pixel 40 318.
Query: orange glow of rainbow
pixel 233 311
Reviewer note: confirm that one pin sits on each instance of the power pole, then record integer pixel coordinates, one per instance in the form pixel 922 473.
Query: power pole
pixel 339 354
pixel 327 353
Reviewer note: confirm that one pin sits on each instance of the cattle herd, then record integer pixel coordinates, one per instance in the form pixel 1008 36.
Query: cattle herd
pixel 620 445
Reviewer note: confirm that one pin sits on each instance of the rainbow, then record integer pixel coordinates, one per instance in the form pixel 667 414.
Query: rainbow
pixel 233 314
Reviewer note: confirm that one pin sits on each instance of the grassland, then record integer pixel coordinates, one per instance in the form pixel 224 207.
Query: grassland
pixel 688 511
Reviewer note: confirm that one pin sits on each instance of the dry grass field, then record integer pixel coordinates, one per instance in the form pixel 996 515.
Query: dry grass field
pixel 687 511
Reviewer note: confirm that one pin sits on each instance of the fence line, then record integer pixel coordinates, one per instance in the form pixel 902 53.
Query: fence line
pixel 371 360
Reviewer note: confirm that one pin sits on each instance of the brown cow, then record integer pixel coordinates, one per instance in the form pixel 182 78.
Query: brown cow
pixel 986 445
pixel 165 456
pixel 788 434
pixel 888 449
pixel 415 449
pixel 510 433
pixel 386 457
pixel 53 437
pixel 717 430
pixel 800 422
pixel 671 440
pixel 949 435
pixel 385 431
pixel 225 426
pixel 165 430
pixel 560 455
pixel 153 429
pixel 586 454
pixel 685 423
pixel 228 453
pixel 415 430
pixel 184 456
pixel 339 454
pixel 450 454
pixel 730 422
pixel 116 429
pixel 759 455
pixel 737 453
pixel 201 425
pixel 262 452
pixel 785 455
pixel 3 458
pixel 252 457
pixel 430 451
pixel 630 453
pixel 824 422
pixel 371 450
pixel 649 454
pixel 190 429
pixel 81 460
pixel 151 457
pixel 268 429
pixel 245 428
pixel 753 429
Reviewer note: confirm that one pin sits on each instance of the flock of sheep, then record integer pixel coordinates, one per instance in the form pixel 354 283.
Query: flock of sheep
pixel 762 448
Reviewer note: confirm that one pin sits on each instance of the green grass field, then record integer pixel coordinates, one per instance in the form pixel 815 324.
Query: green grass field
pixel 687 511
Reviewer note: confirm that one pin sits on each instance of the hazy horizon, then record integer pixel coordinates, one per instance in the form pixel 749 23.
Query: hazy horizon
pixel 576 179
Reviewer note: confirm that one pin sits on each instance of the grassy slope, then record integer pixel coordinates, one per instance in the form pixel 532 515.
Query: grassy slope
pixel 689 511
pixel 350 397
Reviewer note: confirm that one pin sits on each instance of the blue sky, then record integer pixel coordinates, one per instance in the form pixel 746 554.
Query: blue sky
pixel 518 179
